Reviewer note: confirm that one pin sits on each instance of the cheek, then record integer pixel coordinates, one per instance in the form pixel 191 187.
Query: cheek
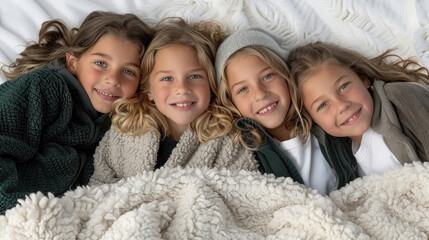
pixel 324 120
pixel 243 107
pixel 130 89
pixel 368 101
pixel 205 97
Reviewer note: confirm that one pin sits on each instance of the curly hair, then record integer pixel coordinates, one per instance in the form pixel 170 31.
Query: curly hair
pixel 55 39
pixel 296 123
pixel 138 115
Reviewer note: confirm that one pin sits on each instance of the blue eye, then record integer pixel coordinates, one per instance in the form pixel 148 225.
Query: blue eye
pixel 100 63
pixel 268 76
pixel 129 72
pixel 167 79
pixel 194 76
pixel 342 87
pixel 321 106
pixel 241 90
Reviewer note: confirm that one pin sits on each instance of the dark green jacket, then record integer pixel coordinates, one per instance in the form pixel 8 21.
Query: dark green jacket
pixel 48 133
pixel 337 153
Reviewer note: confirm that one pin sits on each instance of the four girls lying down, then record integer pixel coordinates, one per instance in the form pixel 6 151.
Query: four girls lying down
pixel 179 95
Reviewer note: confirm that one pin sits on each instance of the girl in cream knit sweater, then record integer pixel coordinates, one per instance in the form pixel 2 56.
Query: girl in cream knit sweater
pixel 175 119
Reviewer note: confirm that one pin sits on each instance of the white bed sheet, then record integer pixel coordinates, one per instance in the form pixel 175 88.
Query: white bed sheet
pixel 368 26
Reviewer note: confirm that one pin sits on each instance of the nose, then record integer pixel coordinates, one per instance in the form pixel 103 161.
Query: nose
pixel 113 78
pixel 260 92
pixel 342 104
pixel 182 87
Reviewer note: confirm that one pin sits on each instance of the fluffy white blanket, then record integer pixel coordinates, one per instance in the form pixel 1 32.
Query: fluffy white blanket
pixel 219 204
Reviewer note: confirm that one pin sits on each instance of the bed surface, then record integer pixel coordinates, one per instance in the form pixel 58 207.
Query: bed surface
pixel 370 27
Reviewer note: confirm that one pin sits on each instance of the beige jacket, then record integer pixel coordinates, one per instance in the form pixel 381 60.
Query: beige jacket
pixel 120 156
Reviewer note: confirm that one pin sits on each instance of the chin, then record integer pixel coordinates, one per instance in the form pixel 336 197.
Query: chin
pixel 104 110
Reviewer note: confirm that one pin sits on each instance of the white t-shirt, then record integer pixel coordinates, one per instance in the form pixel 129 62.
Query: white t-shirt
pixel 373 155
pixel 311 164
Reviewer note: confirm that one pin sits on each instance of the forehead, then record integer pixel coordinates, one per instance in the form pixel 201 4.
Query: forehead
pixel 176 55
pixel 247 62
pixel 323 71
pixel 243 67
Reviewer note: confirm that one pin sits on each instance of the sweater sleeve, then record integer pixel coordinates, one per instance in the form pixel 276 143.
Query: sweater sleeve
pixel 236 156
pixel 28 106
pixel 104 171
pixel 411 102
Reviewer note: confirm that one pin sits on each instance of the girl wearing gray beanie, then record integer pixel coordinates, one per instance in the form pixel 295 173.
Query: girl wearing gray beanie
pixel 254 84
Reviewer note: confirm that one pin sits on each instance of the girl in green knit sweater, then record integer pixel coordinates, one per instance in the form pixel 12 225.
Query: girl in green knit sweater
pixel 54 109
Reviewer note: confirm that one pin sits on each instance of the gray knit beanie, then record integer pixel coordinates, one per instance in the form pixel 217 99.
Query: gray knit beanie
pixel 248 37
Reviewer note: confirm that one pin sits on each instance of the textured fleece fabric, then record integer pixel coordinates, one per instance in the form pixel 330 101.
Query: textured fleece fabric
pixel 191 203
pixel 120 156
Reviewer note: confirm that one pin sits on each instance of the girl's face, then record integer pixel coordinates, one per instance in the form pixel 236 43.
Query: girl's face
pixel 109 70
pixel 179 86
pixel 259 92
pixel 338 101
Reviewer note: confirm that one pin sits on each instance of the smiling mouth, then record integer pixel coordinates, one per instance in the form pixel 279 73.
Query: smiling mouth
pixel 267 108
pixel 106 94
pixel 352 118
pixel 183 104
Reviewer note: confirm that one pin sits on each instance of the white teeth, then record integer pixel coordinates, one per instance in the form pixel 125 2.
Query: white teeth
pixel 351 119
pixel 110 95
pixel 268 108
pixel 183 104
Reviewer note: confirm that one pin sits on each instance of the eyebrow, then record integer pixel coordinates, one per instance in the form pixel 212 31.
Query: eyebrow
pixel 240 82
pixel 335 83
pixel 110 58
pixel 190 71
pixel 235 84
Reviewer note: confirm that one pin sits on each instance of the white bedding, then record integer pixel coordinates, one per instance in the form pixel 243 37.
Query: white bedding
pixel 207 204
pixel 368 26
pixel 211 204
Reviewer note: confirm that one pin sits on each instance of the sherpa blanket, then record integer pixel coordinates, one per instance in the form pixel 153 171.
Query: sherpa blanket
pixel 219 204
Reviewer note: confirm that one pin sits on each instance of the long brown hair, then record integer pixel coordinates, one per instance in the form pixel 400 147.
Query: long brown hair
pixel 55 39
pixel 387 67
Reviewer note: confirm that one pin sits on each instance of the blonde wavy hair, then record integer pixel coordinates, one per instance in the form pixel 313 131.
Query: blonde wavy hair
pixel 297 123
pixel 55 39
pixel 139 115
pixel 388 67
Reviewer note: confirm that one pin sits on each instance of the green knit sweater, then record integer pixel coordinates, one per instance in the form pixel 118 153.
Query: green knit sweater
pixel 48 134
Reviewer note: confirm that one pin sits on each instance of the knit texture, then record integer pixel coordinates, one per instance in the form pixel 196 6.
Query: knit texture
pixel 249 37
pixel 120 156
pixel 45 134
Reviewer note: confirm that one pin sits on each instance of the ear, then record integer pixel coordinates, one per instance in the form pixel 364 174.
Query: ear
pixel 366 82
pixel 149 95
pixel 71 62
